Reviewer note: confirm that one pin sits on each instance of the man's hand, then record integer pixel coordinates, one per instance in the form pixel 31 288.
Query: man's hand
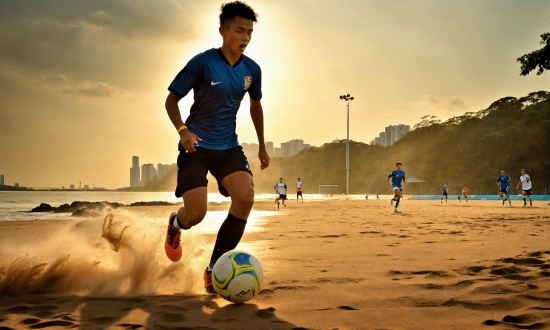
pixel 189 140
pixel 264 158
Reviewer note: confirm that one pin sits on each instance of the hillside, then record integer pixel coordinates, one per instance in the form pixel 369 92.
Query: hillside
pixel 512 133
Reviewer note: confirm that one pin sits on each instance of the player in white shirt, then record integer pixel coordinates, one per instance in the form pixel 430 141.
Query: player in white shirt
pixel 299 186
pixel 526 185
pixel 280 189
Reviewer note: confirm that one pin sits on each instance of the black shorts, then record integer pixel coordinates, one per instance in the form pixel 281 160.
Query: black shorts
pixel 298 193
pixel 283 197
pixel 193 167
pixel 528 192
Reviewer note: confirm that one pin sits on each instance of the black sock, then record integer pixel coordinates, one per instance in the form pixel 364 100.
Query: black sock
pixel 229 235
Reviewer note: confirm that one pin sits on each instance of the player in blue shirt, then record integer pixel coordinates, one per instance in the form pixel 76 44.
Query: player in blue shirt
pixel 502 182
pixel 445 192
pixel 396 177
pixel 220 79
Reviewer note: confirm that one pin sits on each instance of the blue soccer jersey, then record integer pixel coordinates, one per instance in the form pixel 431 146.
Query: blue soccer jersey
pixel 218 91
pixel 503 180
pixel 397 178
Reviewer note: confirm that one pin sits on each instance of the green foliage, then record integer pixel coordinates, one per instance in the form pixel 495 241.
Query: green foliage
pixel 471 148
pixel 540 58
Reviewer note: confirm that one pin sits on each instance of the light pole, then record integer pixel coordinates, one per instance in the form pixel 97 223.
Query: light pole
pixel 347 98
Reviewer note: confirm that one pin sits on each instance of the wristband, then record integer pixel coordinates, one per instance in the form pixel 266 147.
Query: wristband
pixel 182 127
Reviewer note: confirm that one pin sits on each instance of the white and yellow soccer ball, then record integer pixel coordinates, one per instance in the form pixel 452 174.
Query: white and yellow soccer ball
pixel 237 276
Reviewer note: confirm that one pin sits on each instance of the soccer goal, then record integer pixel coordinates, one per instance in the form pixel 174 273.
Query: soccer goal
pixel 329 189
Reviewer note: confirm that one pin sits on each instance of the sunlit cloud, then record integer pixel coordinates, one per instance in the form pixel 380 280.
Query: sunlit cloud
pixel 59 84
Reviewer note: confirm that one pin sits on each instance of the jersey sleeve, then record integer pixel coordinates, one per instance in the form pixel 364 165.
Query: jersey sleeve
pixel 403 175
pixel 187 77
pixel 255 90
pixel 390 175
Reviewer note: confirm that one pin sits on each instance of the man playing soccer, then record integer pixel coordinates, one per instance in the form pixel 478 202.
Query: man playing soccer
pixel 396 177
pixel 219 78
pixel 465 192
pixel 445 192
pixel 280 189
pixel 526 185
pixel 299 186
pixel 502 182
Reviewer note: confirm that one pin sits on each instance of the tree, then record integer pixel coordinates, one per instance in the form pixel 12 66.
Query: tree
pixel 540 58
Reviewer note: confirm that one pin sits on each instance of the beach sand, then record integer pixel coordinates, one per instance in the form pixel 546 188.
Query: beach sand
pixel 333 264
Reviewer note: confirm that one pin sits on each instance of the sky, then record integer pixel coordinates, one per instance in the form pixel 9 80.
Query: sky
pixel 83 83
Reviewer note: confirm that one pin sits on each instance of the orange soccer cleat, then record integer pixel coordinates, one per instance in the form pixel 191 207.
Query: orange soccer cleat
pixel 208 282
pixel 172 245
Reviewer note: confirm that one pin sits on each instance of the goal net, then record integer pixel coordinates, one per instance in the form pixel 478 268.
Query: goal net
pixel 329 189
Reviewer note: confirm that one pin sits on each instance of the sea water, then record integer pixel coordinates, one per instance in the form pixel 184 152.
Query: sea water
pixel 16 205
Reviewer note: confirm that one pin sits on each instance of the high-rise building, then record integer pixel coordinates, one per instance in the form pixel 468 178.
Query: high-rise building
pixel 135 172
pixel 148 173
pixel 293 147
pixel 250 149
pixel 269 147
pixel 162 170
pixel 382 139
pixel 392 134
pixel 1 179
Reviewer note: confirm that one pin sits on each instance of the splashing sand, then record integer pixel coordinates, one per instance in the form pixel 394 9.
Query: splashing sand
pixel 118 254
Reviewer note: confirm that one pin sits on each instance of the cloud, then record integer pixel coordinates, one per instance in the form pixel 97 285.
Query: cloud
pixel 95 41
pixel 59 84
pixel 432 102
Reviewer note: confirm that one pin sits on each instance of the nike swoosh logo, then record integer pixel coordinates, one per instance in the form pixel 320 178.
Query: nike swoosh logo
pixel 215 83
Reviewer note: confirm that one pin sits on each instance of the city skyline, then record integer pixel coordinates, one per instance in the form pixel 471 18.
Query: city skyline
pixel 81 93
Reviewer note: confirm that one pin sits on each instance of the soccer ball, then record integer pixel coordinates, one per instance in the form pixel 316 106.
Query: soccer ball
pixel 237 276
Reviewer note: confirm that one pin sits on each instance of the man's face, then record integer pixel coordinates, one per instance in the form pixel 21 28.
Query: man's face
pixel 281 180
pixel 398 167
pixel 522 172
pixel 237 36
pixel 502 171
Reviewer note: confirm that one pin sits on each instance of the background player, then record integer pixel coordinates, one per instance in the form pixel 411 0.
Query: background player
pixel 396 177
pixel 280 189
pixel 299 186
pixel 502 182
pixel 465 192
pixel 526 185
pixel 445 192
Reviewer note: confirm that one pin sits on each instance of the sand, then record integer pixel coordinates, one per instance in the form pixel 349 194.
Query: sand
pixel 334 264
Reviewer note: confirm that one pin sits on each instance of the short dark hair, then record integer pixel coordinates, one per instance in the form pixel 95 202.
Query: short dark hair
pixel 523 169
pixel 503 169
pixel 398 164
pixel 230 10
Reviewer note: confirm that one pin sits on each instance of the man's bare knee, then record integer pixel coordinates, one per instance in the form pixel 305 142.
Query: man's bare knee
pixel 244 200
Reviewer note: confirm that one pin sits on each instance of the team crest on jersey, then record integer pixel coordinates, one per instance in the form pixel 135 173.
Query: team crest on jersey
pixel 247 82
